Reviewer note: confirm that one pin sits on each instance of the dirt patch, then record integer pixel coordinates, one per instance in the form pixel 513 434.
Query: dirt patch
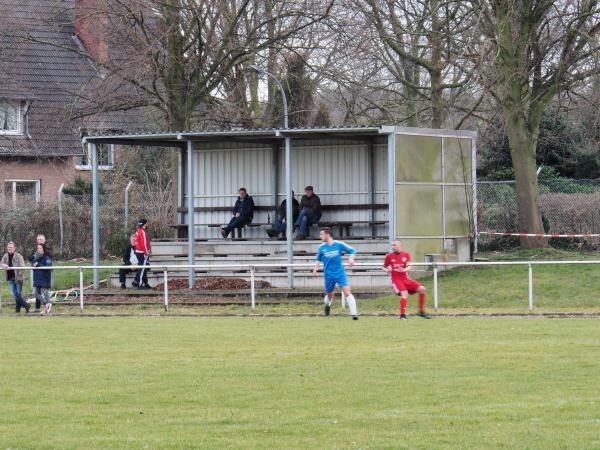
pixel 214 284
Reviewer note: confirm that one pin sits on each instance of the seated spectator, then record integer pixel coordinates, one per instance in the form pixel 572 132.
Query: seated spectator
pixel 42 278
pixel 243 213
pixel 310 212
pixel 14 277
pixel 279 225
pixel 130 259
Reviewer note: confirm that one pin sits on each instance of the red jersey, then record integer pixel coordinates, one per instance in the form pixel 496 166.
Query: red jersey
pixel 397 261
pixel 142 243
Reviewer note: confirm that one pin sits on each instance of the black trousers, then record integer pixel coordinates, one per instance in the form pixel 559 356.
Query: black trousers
pixel 123 275
pixel 141 276
pixel 236 222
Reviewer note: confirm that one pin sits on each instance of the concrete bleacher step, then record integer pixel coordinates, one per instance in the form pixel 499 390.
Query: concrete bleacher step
pixel 303 279
pixel 260 248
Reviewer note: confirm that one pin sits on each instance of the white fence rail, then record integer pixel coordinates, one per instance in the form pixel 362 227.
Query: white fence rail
pixel 251 270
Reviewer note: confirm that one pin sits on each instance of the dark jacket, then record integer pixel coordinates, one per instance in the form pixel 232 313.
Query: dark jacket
pixel 244 207
pixel 295 209
pixel 127 255
pixel 32 256
pixel 42 278
pixel 312 204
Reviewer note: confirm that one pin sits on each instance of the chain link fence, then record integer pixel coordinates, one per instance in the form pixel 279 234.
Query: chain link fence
pixel 568 207
pixel 67 222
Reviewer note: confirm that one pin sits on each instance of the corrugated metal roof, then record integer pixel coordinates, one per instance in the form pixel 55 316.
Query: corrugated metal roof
pixel 125 137
pixel 178 136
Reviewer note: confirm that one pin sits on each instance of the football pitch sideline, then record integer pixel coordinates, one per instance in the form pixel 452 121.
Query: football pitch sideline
pixel 303 382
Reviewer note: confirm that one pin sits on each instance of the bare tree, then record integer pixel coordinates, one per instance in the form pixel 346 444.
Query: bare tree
pixel 533 50
pixel 416 50
pixel 182 57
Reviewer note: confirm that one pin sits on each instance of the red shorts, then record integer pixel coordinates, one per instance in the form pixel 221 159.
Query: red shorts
pixel 406 285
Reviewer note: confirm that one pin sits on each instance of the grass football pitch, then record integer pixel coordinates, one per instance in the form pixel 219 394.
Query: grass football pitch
pixel 299 382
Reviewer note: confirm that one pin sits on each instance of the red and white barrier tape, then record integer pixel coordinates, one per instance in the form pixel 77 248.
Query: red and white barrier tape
pixel 539 235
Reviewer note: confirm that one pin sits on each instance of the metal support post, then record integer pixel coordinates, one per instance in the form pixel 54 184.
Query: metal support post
pixel 59 203
pixel 391 152
pixel 190 215
pixel 127 206
pixel 530 267
pixel 435 287
pixel 252 289
pixel 166 288
pixel 289 214
pixel 81 289
pixel 371 182
pixel 95 216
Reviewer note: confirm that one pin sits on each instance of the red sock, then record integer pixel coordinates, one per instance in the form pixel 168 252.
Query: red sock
pixel 402 305
pixel 422 302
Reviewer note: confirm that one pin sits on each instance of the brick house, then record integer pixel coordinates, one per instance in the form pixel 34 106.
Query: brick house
pixel 43 72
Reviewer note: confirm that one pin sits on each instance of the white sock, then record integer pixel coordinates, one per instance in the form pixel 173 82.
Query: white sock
pixel 351 301
pixel 327 300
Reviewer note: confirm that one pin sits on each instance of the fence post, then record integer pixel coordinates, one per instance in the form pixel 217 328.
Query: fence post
pixel 166 287
pixel 59 198
pixel 81 288
pixel 435 287
pixel 127 206
pixel 530 287
pixel 343 300
pixel 252 291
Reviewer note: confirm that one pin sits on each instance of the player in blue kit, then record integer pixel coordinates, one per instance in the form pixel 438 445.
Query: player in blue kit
pixel 330 255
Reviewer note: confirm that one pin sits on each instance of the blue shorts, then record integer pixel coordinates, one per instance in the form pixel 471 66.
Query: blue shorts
pixel 340 279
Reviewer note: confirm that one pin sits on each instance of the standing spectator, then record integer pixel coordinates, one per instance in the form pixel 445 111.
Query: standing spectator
pixel 142 253
pixel 280 224
pixel 41 239
pixel 14 277
pixel 42 278
pixel 130 259
pixel 310 212
pixel 243 213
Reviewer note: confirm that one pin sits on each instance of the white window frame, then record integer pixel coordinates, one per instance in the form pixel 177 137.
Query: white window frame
pixel 19 130
pixel 14 189
pixel 88 166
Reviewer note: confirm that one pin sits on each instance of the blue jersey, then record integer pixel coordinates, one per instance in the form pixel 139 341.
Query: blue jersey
pixel 331 257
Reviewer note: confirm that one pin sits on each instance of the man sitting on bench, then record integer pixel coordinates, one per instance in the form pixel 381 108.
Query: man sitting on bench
pixel 310 212
pixel 280 224
pixel 243 212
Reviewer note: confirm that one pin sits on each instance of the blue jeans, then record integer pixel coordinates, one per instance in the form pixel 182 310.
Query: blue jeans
pixel 16 289
pixel 305 220
pixel 237 222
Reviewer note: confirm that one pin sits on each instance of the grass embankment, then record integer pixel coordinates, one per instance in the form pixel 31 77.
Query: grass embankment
pixel 62 279
pixel 489 289
pixel 299 383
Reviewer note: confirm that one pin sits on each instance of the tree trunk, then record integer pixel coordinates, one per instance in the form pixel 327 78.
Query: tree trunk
pixel 437 101
pixel 523 144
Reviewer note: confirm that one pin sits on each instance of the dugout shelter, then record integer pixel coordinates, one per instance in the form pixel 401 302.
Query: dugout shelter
pixel 375 182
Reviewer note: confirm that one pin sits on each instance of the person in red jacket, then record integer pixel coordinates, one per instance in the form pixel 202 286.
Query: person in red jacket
pixel 142 252
pixel 398 264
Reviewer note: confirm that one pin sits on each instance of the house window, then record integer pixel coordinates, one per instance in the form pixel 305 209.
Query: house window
pixel 10 118
pixel 106 158
pixel 22 192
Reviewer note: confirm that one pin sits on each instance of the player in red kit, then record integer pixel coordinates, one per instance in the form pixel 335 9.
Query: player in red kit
pixel 397 263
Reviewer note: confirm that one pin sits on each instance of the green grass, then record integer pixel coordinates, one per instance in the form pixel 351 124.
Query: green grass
pixel 63 279
pixel 299 383
pixel 490 289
